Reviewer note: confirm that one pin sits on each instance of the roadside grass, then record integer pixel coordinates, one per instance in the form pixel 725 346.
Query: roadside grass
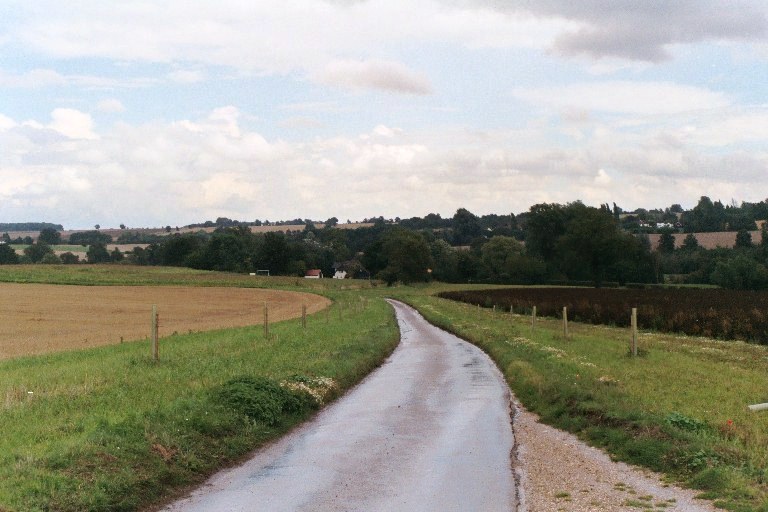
pixel 109 429
pixel 679 408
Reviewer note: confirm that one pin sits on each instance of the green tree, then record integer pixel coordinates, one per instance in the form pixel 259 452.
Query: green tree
pixel 49 236
pixel 743 239
pixel 37 251
pixel 466 226
pixel 690 243
pixel 8 256
pixel 666 241
pixel 98 253
pixel 69 258
pixel 546 224
pixel 407 255
pixel 740 273
pixel 590 244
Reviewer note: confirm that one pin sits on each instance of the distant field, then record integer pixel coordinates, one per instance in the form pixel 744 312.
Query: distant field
pixel 40 318
pixel 115 232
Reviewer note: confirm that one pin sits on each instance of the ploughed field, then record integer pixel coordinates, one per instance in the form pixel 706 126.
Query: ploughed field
pixel 40 318
pixel 723 314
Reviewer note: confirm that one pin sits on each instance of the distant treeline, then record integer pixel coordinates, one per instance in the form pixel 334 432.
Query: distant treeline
pixel 29 226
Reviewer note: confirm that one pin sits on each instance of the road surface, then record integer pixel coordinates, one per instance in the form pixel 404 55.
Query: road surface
pixel 428 431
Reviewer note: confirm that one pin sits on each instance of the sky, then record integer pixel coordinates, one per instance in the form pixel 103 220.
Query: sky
pixel 149 113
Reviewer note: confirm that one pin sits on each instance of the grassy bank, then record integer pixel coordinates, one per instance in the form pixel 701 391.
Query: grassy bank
pixel 109 429
pixel 679 408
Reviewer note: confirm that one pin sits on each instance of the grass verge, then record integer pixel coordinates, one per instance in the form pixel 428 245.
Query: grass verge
pixel 679 409
pixel 109 429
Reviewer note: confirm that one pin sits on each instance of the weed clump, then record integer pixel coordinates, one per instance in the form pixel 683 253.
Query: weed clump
pixel 264 400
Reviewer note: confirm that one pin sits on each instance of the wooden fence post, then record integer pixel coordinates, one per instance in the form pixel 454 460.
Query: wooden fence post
pixel 511 309
pixel 266 320
pixel 565 322
pixel 533 318
pixel 634 332
pixel 155 348
pixel 304 316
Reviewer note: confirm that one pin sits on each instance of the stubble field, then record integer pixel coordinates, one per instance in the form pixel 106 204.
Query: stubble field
pixel 40 318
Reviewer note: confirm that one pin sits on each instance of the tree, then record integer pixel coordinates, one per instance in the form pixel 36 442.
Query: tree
pixel 743 239
pixel 546 223
pixel 666 242
pixel 466 226
pixel 89 238
pixel 49 236
pixel 8 256
pixel 36 252
pixel 98 253
pixel 590 244
pixel 740 273
pixel 97 227
pixel 69 258
pixel 690 243
pixel 407 255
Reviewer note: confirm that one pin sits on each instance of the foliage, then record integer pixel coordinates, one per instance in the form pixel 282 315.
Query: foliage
pixel 262 399
pixel 8 255
pixel 49 236
pixel 89 238
pixel 98 253
pixel 712 313
pixel 37 251
pixel 29 226
pixel 407 257
pixel 740 273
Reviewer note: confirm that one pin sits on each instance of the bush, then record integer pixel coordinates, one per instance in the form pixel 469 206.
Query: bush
pixel 264 400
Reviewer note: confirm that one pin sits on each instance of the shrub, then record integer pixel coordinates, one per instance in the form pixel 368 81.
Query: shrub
pixel 264 400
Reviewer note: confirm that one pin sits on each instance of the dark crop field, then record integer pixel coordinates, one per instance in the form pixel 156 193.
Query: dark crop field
pixel 722 314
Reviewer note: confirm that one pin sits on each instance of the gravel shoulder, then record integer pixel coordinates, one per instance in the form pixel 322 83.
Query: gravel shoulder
pixel 558 472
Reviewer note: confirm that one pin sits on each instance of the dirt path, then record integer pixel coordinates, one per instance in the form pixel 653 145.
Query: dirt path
pixel 40 318
pixel 428 431
pixel 560 473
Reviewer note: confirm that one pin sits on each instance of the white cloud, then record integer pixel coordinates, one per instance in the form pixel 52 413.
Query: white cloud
pixel 188 171
pixel 6 123
pixel 186 76
pixel 72 123
pixel 110 106
pixel 642 98
pixel 382 75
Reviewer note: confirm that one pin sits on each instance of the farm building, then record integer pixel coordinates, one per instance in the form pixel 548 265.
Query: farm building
pixel 314 273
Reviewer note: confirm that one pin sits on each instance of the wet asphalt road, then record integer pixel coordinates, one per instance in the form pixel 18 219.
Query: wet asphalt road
pixel 428 431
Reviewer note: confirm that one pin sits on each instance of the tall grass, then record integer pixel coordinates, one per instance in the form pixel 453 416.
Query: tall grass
pixel 108 429
pixel 680 408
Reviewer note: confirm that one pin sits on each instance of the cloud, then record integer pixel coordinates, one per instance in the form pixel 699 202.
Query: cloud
pixel 186 76
pixel 196 169
pixel 110 106
pixel 382 75
pixel 644 98
pixel 72 123
pixel 6 123
pixel 644 31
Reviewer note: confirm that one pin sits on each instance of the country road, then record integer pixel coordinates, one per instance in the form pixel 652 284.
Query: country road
pixel 429 430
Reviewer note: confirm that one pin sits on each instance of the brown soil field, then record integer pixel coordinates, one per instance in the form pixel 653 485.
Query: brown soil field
pixel 39 318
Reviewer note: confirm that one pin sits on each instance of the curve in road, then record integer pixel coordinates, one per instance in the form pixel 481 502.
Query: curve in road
pixel 430 430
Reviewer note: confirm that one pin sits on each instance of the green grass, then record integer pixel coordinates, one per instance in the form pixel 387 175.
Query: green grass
pixel 668 410
pixel 109 429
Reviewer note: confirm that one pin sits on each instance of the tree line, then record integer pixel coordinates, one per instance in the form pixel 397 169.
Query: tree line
pixel 551 243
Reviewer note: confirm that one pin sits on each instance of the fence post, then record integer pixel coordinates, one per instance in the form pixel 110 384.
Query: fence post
pixel 634 332
pixel 266 320
pixel 155 348
pixel 304 316
pixel 565 322
pixel 511 310
pixel 533 318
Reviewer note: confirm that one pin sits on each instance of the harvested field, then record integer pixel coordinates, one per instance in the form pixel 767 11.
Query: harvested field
pixel 39 318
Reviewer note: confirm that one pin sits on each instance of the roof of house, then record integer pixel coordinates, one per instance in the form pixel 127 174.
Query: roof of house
pixel 314 272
